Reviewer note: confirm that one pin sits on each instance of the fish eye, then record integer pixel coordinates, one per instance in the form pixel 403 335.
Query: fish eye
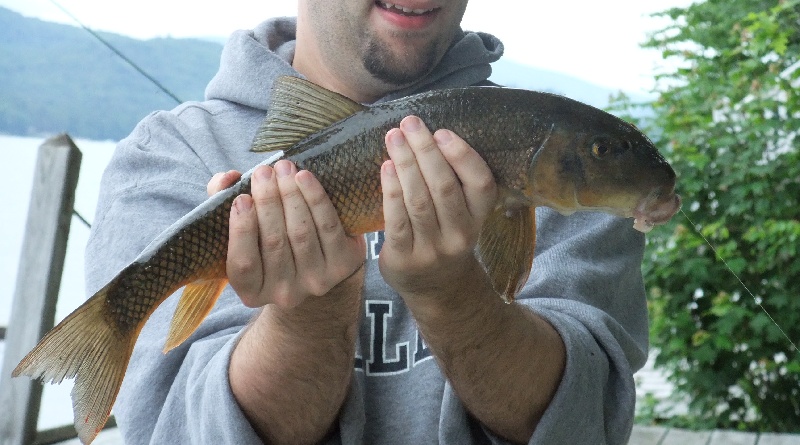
pixel 600 148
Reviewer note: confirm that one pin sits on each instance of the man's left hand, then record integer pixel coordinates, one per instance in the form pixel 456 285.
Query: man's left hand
pixel 437 192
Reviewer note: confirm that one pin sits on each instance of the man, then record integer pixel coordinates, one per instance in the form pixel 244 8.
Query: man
pixel 438 356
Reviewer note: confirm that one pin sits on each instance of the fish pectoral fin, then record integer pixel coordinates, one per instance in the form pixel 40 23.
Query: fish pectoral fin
pixel 196 302
pixel 505 248
pixel 298 109
pixel 89 347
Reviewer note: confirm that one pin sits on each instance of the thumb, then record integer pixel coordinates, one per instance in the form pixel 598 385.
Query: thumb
pixel 221 181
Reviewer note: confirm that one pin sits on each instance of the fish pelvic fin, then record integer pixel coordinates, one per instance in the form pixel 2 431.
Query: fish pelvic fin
pixel 196 302
pixel 88 347
pixel 298 109
pixel 505 248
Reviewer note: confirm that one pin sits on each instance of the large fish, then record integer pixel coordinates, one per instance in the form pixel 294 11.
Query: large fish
pixel 543 149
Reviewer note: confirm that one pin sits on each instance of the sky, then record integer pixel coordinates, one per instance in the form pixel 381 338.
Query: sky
pixel 595 41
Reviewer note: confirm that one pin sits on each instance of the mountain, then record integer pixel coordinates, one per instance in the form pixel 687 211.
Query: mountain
pixel 56 78
pixel 513 74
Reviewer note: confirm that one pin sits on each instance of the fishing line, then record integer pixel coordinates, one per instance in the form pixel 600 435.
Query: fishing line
pixel 122 56
pixel 81 219
pixel 119 53
pixel 740 281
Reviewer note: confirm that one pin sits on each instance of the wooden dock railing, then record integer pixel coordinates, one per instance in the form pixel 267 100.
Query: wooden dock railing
pixel 38 278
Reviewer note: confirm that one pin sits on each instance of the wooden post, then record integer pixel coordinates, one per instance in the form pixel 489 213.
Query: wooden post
pixel 41 263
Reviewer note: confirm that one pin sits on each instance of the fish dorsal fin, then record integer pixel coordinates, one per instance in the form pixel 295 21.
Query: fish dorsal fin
pixel 505 248
pixel 298 109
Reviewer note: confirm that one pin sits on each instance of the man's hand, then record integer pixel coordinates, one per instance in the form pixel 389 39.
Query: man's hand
pixel 437 192
pixel 291 369
pixel 504 361
pixel 286 240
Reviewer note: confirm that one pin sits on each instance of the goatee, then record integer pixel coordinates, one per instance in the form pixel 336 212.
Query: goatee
pixel 384 65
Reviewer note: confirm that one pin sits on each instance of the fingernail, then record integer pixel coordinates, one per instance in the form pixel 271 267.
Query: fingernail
pixel 242 204
pixel 442 137
pixel 396 137
pixel 303 177
pixel 264 173
pixel 283 168
pixel 388 168
pixel 411 123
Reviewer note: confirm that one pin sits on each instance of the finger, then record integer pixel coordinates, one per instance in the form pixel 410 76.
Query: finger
pixel 300 227
pixel 243 264
pixel 477 182
pixel 333 240
pixel 276 253
pixel 397 225
pixel 443 184
pixel 222 181
pixel 416 197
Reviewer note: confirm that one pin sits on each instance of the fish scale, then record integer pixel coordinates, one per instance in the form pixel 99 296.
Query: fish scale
pixel 200 248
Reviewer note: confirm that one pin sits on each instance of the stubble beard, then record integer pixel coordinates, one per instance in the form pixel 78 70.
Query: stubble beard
pixel 384 65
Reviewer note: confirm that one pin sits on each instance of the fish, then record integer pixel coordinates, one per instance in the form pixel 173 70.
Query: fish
pixel 543 150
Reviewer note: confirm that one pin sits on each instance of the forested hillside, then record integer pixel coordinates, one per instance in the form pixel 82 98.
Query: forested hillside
pixel 56 78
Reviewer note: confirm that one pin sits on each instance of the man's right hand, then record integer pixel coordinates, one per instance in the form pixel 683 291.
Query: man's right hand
pixel 286 240
pixel 291 368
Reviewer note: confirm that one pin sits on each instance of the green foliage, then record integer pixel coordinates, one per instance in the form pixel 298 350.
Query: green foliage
pixel 728 118
pixel 57 78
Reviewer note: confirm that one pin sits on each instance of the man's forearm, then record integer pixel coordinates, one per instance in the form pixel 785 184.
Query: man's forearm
pixel 291 370
pixel 504 362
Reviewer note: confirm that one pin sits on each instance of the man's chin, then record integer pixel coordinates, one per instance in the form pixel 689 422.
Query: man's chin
pixel 393 69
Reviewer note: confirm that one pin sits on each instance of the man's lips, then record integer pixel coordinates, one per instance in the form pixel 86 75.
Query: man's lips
pixel 398 9
pixel 406 17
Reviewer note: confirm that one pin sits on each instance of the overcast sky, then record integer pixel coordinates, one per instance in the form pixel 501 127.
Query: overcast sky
pixel 593 40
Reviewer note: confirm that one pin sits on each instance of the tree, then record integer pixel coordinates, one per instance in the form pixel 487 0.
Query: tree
pixel 728 118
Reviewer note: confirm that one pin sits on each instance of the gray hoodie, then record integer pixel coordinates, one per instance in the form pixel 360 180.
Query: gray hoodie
pixel 586 282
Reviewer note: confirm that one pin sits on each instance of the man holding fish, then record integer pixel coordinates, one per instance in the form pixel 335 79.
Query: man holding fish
pixel 310 343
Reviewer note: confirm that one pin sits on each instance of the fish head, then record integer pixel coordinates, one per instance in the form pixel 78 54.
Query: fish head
pixel 602 163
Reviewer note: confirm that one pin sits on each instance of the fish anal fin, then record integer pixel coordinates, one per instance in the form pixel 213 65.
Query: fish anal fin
pixel 196 302
pixel 89 347
pixel 505 248
pixel 298 109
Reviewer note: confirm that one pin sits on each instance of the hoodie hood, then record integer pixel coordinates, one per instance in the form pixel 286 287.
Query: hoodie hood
pixel 252 59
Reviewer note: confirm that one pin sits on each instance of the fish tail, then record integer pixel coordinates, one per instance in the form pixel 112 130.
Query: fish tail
pixel 89 347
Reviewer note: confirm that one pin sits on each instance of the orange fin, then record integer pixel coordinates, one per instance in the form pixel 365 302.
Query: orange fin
pixel 505 248
pixel 85 346
pixel 196 302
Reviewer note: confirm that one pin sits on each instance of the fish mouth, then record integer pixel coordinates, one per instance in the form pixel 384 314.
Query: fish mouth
pixel 656 208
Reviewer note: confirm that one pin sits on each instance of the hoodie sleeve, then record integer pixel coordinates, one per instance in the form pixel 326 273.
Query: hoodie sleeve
pixel 594 296
pixel 586 281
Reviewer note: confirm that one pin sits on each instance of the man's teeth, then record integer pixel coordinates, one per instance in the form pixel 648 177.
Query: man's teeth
pixel 404 9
